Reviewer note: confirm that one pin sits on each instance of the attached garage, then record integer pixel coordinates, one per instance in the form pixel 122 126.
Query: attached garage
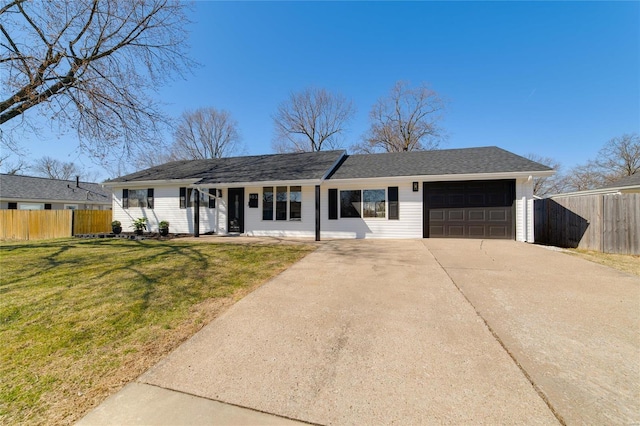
pixel 469 209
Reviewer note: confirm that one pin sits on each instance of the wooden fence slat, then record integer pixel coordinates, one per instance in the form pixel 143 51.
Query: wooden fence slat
pixel 46 224
pixel 91 221
pixel 608 223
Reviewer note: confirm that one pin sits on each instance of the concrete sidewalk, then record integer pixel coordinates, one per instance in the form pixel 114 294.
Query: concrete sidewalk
pixel 382 332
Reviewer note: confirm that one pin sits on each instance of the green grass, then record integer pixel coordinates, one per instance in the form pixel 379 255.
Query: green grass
pixel 80 318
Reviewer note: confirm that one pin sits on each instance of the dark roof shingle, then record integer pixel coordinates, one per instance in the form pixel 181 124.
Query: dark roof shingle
pixel 38 188
pixel 633 180
pixel 439 162
pixel 257 168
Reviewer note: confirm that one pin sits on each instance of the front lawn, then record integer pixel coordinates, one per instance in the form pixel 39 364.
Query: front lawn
pixel 81 318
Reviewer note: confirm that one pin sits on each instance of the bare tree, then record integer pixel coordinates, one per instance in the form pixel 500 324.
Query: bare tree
pixel 205 133
pixel 547 185
pixel 55 169
pixel 12 167
pixel 311 120
pixel 583 177
pixel 619 157
pixel 405 120
pixel 89 65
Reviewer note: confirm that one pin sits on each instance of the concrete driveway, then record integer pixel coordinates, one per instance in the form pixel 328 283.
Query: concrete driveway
pixel 409 332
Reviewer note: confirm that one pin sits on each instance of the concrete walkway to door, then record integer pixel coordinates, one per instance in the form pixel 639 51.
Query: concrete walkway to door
pixel 408 332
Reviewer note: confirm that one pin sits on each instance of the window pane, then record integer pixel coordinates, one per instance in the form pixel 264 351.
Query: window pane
pixel 30 206
pixel 374 203
pixel 394 212
pixel 191 200
pixel 295 203
pixel 281 203
pixel 350 203
pixel 137 198
pixel 267 203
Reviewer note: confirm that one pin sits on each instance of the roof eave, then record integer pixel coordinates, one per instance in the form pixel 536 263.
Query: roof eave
pixel 144 183
pixel 452 177
pixel 616 190
pixel 290 182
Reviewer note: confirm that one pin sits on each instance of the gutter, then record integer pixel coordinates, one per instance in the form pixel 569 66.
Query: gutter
pixel 449 177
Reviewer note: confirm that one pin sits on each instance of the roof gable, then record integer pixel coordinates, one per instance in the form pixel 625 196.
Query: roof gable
pixel 37 188
pixel 438 162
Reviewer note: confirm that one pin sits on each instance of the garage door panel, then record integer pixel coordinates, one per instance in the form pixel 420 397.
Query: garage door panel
pixel 436 215
pixel 455 231
pixel 455 215
pixel 498 231
pixel 469 209
pixel 437 231
pixel 477 215
pixel 456 200
pixel 476 200
pixel 498 215
pixel 477 231
pixel 437 199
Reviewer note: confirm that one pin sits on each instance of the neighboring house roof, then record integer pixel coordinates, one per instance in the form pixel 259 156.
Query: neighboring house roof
pixel 438 162
pixel 257 168
pixel 17 187
pixel 625 182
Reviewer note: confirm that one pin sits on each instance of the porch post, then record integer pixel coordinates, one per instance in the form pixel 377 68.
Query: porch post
pixel 196 214
pixel 317 212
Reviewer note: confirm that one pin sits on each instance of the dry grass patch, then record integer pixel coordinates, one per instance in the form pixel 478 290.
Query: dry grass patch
pixel 624 262
pixel 81 318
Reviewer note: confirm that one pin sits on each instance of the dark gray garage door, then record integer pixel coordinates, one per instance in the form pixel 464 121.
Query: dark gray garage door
pixel 469 209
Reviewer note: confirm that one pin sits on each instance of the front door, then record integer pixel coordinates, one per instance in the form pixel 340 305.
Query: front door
pixel 236 210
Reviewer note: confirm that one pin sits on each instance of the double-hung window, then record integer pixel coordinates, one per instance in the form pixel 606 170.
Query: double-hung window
pixel 267 203
pixel 285 203
pixel 142 198
pixel 373 203
pixel 295 203
pixel 206 198
pixel 350 203
pixel 281 203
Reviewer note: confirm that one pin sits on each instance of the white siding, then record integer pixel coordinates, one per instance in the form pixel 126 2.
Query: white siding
pixel 524 210
pixel 408 226
pixel 166 206
pixel 255 226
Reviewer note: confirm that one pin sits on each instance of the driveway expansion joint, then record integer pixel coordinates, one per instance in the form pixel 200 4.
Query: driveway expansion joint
pixel 229 403
pixel 539 391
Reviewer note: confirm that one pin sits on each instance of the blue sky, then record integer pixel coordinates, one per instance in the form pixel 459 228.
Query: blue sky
pixel 557 79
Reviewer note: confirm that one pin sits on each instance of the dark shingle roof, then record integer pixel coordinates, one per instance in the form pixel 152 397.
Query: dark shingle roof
pixel 37 188
pixel 633 180
pixel 258 168
pixel 439 162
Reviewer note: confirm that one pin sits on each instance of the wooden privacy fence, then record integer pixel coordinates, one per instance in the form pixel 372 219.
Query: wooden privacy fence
pixel 608 223
pixel 45 224
pixel 91 221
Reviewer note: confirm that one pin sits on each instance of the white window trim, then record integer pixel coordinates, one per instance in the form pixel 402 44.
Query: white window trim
pixel 386 204
pixel 30 206
pixel 275 203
